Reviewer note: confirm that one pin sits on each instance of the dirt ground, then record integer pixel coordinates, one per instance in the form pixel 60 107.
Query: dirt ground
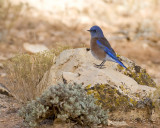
pixel 139 46
pixel 9 117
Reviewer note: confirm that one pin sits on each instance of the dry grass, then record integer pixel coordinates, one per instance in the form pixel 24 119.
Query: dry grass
pixel 25 72
pixel 60 48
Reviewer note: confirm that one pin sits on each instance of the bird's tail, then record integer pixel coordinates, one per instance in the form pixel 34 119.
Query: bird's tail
pixel 120 63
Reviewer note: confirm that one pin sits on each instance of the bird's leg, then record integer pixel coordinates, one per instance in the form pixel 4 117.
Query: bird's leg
pixel 100 65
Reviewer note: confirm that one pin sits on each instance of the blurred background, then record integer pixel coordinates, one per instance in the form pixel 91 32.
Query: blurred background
pixel 131 26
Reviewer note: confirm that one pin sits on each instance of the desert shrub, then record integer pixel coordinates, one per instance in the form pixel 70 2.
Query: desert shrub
pixel 25 72
pixel 67 103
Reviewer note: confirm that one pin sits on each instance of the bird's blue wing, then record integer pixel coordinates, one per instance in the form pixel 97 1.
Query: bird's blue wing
pixel 110 53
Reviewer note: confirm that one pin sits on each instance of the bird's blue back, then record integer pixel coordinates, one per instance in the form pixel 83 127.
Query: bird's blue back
pixel 110 53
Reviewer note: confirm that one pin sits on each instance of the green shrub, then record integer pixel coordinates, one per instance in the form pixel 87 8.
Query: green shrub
pixel 25 72
pixel 67 103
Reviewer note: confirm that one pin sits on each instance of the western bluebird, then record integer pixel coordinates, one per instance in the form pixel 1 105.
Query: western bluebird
pixel 100 47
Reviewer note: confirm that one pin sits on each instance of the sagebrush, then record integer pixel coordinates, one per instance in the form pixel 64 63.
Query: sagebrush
pixel 67 103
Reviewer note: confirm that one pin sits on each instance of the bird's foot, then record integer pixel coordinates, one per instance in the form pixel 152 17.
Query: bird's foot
pixel 101 66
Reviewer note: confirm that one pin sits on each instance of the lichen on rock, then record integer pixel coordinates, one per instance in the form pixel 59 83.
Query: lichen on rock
pixel 137 73
pixel 110 98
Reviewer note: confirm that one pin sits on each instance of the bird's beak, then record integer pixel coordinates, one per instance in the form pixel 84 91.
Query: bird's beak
pixel 89 30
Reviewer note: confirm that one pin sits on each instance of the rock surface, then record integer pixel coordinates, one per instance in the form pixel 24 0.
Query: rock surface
pixel 1 65
pixel 77 66
pixel 2 58
pixel 4 90
pixel 117 123
pixel 34 48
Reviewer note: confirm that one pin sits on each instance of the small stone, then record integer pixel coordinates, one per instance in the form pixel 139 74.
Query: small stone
pixel 69 76
pixel 4 90
pixel 34 48
pixel 1 65
pixel 2 74
pixel 3 58
pixel 117 123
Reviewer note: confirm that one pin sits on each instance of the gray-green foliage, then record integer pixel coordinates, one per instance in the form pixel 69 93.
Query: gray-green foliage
pixel 66 102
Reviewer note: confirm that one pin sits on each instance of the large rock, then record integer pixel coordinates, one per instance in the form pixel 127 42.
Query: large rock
pixel 77 66
pixel 114 87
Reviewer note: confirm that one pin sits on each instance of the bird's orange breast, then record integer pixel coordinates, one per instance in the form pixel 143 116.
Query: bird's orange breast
pixel 96 51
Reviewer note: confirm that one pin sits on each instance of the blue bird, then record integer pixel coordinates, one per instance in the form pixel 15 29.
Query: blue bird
pixel 100 47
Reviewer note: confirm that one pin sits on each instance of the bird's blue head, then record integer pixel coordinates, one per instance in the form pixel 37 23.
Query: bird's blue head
pixel 96 31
